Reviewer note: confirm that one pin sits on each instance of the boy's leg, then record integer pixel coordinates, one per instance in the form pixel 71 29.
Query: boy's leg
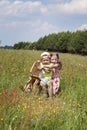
pixel 44 90
pixel 43 85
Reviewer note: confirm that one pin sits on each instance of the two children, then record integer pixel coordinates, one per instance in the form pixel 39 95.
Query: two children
pixel 49 69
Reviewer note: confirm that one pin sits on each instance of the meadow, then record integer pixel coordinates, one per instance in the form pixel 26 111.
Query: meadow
pixel 22 111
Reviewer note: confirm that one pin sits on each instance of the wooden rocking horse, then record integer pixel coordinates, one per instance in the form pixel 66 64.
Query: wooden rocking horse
pixel 34 78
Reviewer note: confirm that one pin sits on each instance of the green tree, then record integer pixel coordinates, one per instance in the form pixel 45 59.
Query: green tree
pixel 78 42
pixel 63 41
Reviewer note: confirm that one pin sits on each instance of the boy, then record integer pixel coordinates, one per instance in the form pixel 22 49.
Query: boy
pixel 46 74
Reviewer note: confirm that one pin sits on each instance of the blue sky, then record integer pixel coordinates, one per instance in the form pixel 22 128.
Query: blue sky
pixel 28 20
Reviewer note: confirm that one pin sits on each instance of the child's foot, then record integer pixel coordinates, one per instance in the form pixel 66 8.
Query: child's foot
pixel 45 95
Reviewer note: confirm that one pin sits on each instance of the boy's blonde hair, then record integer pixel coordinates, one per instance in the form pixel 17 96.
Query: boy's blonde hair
pixel 45 54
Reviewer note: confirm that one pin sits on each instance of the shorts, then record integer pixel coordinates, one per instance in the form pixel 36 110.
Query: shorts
pixel 44 81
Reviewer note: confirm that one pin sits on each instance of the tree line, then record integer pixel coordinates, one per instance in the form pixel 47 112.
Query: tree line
pixel 66 42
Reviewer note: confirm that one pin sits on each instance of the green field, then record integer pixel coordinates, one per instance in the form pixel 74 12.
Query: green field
pixel 22 111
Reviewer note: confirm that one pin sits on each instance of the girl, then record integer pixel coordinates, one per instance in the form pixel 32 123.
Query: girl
pixel 57 65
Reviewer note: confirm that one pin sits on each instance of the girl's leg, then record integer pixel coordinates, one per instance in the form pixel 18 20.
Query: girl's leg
pixel 50 88
pixel 56 84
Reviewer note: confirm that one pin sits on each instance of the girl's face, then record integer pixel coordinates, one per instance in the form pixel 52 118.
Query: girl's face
pixel 54 59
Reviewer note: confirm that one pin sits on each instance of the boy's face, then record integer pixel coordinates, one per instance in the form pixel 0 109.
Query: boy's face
pixel 45 60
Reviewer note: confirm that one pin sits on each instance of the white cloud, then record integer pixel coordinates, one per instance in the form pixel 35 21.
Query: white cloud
pixel 45 27
pixel 37 25
pixel 83 27
pixel 72 7
pixel 26 30
pixel 20 8
pixel 76 6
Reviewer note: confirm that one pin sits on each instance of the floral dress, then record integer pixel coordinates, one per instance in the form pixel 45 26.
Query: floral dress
pixel 55 81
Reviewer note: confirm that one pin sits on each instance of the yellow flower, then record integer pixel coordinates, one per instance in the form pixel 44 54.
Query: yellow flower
pixel 54 110
pixel 39 98
pixel 2 119
pixel 25 106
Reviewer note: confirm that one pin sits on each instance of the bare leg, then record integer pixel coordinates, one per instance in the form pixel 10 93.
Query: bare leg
pixel 50 88
pixel 44 89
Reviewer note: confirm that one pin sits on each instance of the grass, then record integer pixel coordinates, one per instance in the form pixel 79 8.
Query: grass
pixel 21 111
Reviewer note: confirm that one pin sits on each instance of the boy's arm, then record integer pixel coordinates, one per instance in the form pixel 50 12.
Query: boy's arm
pixel 57 65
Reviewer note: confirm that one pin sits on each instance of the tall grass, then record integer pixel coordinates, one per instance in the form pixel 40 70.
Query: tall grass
pixel 21 111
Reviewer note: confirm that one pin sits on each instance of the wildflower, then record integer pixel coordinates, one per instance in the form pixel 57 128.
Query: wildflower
pixel 15 116
pixel 2 119
pixel 79 105
pixel 25 106
pixel 54 111
pixel 39 98
pixel 18 106
pixel 10 128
